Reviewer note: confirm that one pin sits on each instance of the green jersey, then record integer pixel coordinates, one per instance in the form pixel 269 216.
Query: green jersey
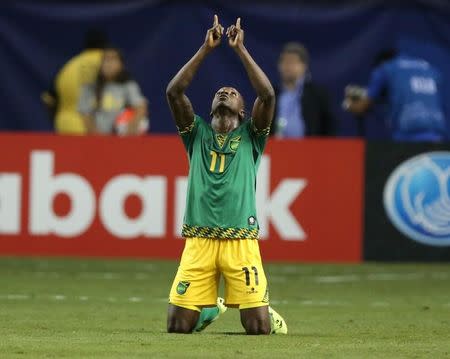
pixel 221 192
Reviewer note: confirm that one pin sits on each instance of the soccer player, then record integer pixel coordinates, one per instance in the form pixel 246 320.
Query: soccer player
pixel 220 224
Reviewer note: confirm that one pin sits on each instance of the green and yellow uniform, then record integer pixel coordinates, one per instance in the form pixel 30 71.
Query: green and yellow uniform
pixel 220 224
pixel 81 70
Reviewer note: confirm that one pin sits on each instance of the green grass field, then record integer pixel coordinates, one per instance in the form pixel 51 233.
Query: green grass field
pixel 64 308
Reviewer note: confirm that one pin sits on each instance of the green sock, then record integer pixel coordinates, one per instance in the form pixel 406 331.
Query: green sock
pixel 207 315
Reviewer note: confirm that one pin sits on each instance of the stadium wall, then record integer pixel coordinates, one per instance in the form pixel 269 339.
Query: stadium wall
pixel 125 197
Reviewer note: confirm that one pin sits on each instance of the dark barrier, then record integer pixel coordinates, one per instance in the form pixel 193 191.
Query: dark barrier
pixel 407 214
pixel 158 37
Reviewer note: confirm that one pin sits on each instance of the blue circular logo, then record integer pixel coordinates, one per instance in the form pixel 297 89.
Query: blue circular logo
pixel 417 198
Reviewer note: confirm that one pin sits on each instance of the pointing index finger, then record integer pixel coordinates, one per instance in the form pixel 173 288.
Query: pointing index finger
pixel 216 20
pixel 238 23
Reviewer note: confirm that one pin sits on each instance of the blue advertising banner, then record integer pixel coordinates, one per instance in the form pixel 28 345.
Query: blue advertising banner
pixel 407 202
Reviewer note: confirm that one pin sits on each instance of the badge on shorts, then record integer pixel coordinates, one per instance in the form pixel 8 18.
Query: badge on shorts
pixel 182 287
pixel 251 221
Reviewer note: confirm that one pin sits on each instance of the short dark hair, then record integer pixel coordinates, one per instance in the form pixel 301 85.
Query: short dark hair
pixel 122 77
pixel 95 39
pixel 384 56
pixel 298 49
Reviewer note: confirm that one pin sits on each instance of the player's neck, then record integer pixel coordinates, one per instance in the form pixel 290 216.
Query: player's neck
pixel 224 123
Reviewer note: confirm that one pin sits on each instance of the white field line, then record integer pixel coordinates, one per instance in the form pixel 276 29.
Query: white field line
pixel 62 297
pixel 47 274
pixel 142 276
pixel 279 302
pixel 378 277
pixel 96 275
pixel 323 303
pixel 395 276
pixel 14 296
pixel 276 278
pixel 440 275
pixel 100 275
pixel 307 303
pixel 337 278
pixel 135 299
pixel 380 304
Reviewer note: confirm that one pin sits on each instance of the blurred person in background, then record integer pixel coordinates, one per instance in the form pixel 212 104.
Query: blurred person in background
pixel 303 107
pixel 410 87
pixel 114 104
pixel 62 99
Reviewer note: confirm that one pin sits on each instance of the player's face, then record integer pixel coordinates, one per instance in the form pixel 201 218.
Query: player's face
pixel 230 98
pixel 291 68
pixel 111 65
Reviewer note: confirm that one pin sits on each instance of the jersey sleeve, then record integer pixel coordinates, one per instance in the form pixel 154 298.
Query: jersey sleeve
pixel 189 134
pixel 377 83
pixel 259 137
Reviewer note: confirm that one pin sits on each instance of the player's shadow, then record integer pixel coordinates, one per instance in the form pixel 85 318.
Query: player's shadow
pixel 243 333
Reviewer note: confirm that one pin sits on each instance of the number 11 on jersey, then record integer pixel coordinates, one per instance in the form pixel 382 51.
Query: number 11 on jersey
pixel 214 155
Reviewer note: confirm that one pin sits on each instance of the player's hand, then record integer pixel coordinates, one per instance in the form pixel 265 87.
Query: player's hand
pixel 235 35
pixel 355 92
pixel 214 34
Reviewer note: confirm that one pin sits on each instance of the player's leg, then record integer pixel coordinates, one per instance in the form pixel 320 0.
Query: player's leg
pixel 181 320
pixel 246 287
pixel 254 316
pixel 256 320
pixel 245 283
pixel 194 287
pixel 192 318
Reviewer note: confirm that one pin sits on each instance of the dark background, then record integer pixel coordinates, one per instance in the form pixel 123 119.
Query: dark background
pixel 158 37
pixel 382 241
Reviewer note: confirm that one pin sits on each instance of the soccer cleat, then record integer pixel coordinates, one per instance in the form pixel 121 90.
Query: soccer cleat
pixel 221 305
pixel 208 317
pixel 277 323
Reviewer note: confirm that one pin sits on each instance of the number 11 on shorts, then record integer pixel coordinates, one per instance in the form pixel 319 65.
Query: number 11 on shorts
pixel 247 275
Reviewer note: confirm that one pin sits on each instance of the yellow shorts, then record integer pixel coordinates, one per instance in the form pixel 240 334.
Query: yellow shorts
pixel 204 260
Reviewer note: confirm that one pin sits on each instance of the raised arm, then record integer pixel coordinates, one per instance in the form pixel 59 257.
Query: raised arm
pixel 263 108
pixel 179 103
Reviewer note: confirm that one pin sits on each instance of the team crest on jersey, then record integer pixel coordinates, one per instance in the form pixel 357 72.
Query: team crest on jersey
pixel 234 143
pixel 182 287
pixel 251 220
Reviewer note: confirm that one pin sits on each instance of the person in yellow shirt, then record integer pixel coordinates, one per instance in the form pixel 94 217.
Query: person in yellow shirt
pixel 79 71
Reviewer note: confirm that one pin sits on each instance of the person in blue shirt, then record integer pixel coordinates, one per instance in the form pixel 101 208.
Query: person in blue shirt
pixel 411 88
pixel 303 108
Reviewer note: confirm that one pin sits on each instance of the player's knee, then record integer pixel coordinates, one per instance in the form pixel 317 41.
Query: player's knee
pixel 179 326
pixel 257 327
